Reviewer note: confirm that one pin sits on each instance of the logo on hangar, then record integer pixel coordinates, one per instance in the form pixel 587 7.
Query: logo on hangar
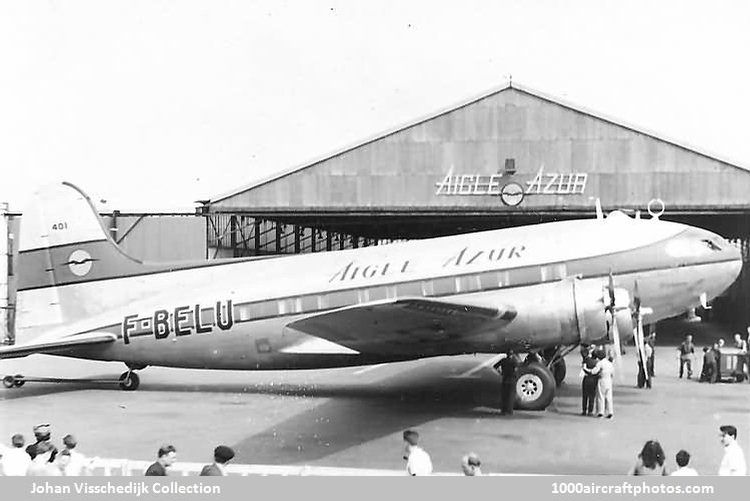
pixel 512 193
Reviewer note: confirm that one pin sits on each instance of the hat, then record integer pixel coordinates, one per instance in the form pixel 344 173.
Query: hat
pixel 42 431
pixel 222 454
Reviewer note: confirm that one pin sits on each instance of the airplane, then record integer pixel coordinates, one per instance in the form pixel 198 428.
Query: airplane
pixel 542 289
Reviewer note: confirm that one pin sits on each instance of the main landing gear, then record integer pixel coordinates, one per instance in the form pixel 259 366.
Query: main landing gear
pixel 535 387
pixel 128 381
pixel 538 376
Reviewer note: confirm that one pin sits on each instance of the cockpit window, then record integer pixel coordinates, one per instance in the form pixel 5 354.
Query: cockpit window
pixel 713 245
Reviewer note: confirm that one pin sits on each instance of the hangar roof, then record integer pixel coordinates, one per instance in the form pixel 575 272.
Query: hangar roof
pixel 474 155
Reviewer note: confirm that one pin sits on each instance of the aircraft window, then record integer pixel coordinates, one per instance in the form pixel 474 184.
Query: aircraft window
pixel 488 280
pixel 468 284
pixel 712 245
pixel 427 288
pixel 286 306
pixel 410 289
pixel 444 286
pixel 262 309
pixel 309 303
pixel 343 298
pixel 377 293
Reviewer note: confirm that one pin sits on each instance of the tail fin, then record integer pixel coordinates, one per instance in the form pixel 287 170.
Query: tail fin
pixel 64 249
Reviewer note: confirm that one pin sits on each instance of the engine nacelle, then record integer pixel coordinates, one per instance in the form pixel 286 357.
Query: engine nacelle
pixel 592 304
pixel 567 312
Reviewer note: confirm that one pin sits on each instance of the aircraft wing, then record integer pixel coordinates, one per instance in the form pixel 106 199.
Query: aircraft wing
pixel 400 325
pixel 52 346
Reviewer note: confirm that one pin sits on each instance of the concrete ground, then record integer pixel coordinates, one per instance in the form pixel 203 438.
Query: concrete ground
pixel 354 417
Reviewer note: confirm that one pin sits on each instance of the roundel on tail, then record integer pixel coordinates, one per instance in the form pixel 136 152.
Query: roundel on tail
pixel 80 262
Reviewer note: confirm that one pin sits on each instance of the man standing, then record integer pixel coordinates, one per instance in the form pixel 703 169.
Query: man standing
pixel 687 350
pixel 43 434
pixel 222 455
pixel 606 371
pixel 418 462
pixel 78 464
pixel 733 462
pixel 741 345
pixel 588 386
pixel 508 366
pixel 15 461
pixel 166 457
pixel 644 379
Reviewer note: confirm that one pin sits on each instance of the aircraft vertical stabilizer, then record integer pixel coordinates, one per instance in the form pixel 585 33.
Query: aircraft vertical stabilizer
pixel 63 246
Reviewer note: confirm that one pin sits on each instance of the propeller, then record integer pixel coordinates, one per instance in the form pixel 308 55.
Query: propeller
pixel 612 326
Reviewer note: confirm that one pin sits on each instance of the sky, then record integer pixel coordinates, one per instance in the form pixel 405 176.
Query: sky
pixel 152 105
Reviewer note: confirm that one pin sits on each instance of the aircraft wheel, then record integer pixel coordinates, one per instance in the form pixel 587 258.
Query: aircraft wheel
pixel 18 380
pixel 129 381
pixel 9 381
pixel 559 371
pixel 535 387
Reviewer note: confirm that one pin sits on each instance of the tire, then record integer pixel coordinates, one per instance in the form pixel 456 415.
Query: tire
pixel 129 381
pixel 559 370
pixel 535 387
pixel 739 377
pixel 9 381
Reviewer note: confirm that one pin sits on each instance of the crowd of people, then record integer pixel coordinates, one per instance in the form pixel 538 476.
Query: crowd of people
pixel 651 459
pixel 44 459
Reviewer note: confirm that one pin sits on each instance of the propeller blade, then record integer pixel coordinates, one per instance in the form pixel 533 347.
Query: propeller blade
pixel 618 350
pixel 636 299
pixel 611 288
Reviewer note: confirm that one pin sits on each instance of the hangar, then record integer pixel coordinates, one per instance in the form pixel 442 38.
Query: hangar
pixel 508 157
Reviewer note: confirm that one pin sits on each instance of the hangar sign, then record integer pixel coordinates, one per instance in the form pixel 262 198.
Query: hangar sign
pixel 544 183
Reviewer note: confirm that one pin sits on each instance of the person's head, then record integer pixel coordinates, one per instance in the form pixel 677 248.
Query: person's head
pixel 167 455
pixel 411 439
pixel 682 458
pixel 470 464
pixel 70 441
pixel 716 346
pixel 42 432
pixel 652 454
pixel 223 454
pixel 721 342
pixel 17 440
pixel 689 338
pixel 737 338
pixel 728 434
pixel 705 349
pixel 63 459
pixel 600 354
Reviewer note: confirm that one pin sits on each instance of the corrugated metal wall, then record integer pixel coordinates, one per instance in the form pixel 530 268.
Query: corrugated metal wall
pixel 624 167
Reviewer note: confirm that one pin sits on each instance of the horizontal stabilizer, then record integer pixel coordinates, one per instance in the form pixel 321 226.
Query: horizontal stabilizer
pixel 53 346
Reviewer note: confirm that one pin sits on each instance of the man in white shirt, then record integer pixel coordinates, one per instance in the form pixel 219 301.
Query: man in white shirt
pixel 15 460
pixel 683 458
pixel 79 464
pixel 418 462
pixel 606 371
pixel 733 462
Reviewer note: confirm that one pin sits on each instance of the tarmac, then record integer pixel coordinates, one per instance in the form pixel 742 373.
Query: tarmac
pixel 354 417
